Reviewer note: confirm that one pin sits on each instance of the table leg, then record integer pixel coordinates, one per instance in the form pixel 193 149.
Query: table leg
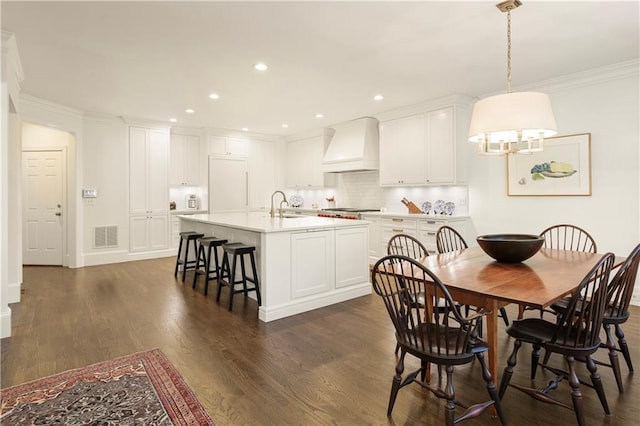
pixel 492 339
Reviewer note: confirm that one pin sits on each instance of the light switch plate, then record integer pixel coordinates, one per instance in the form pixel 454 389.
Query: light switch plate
pixel 89 193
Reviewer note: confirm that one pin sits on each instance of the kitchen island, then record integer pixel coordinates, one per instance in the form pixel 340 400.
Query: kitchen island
pixel 304 262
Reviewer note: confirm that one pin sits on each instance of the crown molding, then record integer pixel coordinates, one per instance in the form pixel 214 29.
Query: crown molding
pixel 12 57
pixel 29 100
pixel 461 101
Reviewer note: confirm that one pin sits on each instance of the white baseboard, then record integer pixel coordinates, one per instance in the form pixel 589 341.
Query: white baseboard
pixel 92 259
pixel 5 323
pixel 309 303
pixel 13 294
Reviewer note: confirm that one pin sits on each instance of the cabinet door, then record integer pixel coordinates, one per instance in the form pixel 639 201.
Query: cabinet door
pixel 158 171
pixel 402 151
pixel 304 163
pixel 138 233
pixel 441 154
pixel 220 145
pixel 158 232
pixel 138 172
pixel 176 160
pixel 351 256
pixel 191 168
pixel 262 174
pixel 312 262
pixel 294 153
pixel 228 180
pixel 374 238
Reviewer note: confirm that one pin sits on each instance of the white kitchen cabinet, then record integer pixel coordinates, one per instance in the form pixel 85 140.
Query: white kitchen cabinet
pixel 262 174
pixel 148 170
pixel 228 184
pixel 230 147
pixel 421 149
pixel 148 189
pixel 351 256
pixel 148 232
pixel 312 262
pixel 403 151
pixel 428 228
pixel 304 163
pixel 374 238
pixel 184 160
pixel 390 226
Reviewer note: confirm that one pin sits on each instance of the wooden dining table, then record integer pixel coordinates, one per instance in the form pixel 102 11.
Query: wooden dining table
pixel 473 278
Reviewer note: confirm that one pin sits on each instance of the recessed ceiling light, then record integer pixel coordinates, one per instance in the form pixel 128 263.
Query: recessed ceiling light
pixel 378 97
pixel 285 126
pixel 189 111
pixel 319 115
pixel 173 120
pixel 214 96
pixel 245 129
pixel 260 66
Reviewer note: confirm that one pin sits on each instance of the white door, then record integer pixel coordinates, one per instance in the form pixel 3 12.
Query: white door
pixel 42 207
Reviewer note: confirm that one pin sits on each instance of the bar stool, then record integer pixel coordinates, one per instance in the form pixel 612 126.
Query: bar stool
pixel 188 236
pixel 228 272
pixel 204 256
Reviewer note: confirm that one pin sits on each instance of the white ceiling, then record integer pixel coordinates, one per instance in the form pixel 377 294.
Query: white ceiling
pixel 152 60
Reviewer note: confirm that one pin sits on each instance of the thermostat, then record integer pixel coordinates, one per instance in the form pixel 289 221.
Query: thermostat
pixel 89 193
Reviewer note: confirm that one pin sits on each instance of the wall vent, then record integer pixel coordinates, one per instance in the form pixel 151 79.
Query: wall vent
pixel 105 236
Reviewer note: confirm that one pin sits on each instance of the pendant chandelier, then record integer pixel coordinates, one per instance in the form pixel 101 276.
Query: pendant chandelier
pixel 512 122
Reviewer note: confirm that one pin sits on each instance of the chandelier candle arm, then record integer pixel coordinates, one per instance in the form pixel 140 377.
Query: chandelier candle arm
pixel 511 122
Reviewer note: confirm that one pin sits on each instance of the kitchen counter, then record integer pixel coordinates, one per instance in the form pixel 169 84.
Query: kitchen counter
pixel 262 222
pixel 304 262
pixel 177 212
pixel 430 216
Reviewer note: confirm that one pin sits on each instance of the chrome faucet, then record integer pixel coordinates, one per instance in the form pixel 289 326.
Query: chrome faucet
pixel 272 212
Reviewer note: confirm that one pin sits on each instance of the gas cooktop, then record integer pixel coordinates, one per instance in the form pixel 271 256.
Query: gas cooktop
pixel 350 210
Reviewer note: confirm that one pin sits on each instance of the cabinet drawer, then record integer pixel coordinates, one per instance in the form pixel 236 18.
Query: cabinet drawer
pixel 433 225
pixel 407 225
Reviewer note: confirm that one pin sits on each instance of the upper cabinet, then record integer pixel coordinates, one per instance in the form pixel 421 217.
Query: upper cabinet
pixel 425 147
pixel 262 173
pixel 184 160
pixel 220 145
pixel 304 162
pixel 148 170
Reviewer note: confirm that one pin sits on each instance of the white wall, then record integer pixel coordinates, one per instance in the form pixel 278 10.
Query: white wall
pixel 105 160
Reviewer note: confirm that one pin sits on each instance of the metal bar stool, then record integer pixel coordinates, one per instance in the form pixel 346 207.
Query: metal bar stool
pixel 188 236
pixel 204 256
pixel 228 272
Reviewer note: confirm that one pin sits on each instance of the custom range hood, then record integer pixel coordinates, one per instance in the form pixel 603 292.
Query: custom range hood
pixel 354 147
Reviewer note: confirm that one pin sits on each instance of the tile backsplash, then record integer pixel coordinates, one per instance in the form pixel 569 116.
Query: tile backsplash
pixel 363 190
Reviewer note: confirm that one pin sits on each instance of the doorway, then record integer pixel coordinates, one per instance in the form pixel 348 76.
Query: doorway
pixel 43 220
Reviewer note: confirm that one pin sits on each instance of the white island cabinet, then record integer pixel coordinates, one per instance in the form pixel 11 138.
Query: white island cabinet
pixel 304 262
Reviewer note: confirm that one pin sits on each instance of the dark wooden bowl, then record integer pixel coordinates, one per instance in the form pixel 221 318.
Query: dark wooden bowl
pixel 510 248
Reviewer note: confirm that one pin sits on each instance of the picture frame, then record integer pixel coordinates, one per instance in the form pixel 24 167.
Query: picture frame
pixel 563 168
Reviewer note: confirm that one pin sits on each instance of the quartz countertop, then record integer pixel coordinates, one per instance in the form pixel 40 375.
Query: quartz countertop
pixel 430 216
pixel 262 222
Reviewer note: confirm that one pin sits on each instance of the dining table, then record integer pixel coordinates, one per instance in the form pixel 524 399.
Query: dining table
pixel 473 278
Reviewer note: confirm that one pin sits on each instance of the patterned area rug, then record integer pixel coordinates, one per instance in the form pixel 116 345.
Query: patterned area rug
pixel 141 389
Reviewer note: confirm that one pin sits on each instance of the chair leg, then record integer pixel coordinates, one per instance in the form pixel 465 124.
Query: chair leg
pixel 450 395
pixel 491 387
pixel 535 360
pixel 175 272
pixel 232 281
pixel 597 383
pixel 613 357
pixel 207 266
pixel 186 259
pixel 255 278
pixel 224 269
pixel 508 371
pixel 623 346
pixel 198 258
pixel 395 384
pixel 505 318
pixel 576 395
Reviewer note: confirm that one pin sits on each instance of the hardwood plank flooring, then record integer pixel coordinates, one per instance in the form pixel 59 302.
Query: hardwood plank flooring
pixel 331 366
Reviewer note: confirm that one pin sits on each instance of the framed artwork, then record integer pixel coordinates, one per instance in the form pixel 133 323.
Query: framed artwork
pixel 562 168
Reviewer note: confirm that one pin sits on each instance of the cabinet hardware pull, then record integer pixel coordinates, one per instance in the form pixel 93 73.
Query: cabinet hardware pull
pixel 397 220
pixel 397 230
pixel 431 222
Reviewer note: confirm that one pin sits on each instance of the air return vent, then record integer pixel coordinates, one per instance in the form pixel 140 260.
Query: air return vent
pixel 105 236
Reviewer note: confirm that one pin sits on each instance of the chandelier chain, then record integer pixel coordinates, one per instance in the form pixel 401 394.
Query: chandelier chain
pixel 509 50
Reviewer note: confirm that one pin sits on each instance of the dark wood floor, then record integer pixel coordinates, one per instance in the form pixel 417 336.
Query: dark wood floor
pixel 328 366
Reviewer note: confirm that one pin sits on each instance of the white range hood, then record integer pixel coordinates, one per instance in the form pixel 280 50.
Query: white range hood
pixel 354 147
